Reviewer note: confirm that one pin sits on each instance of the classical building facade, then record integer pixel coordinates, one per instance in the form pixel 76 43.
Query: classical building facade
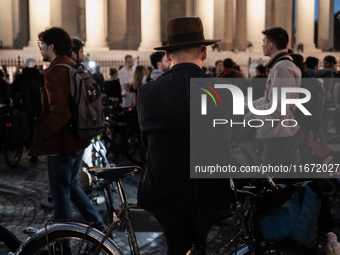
pixel 140 24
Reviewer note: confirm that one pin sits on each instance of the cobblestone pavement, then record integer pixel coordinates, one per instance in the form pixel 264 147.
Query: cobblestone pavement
pixel 23 188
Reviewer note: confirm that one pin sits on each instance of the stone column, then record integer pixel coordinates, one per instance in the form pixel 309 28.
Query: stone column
pixel 283 13
pixel 151 25
pixel 326 25
pixel 117 24
pixel 191 8
pixel 205 11
pixel 219 22
pixel 96 25
pixel 229 24
pixel 39 20
pixel 56 13
pixel 255 23
pixel 6 19
pixel 305 24
pixel 270 14
pixel 241 25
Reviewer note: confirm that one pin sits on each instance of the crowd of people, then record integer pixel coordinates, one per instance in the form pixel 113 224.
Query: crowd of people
pixel 161 100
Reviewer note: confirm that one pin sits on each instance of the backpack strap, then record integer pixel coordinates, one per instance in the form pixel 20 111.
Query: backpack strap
pixel 65 65
pixel 284 58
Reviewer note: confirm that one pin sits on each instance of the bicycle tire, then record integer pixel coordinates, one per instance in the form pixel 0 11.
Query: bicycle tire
pixel 13 153
pixel 9 239
pixel 78 235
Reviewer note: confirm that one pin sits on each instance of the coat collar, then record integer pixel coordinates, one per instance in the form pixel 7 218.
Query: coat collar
pixel 273 59
pixel 183 66
pixel 62 59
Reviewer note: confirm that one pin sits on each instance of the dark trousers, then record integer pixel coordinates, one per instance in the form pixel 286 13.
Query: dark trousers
pixel 182 233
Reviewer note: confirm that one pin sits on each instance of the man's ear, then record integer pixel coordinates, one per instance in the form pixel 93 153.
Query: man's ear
pixel 51 46
pixel 168 56
pixel 271 45
pixel 204 53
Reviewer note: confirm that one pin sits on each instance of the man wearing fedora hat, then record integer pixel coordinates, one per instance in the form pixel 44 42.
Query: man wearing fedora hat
pixel 185 208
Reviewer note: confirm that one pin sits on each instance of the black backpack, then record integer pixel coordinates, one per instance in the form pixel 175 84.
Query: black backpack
pixel 314 105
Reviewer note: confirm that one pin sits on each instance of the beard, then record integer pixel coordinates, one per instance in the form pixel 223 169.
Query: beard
pixel 46 59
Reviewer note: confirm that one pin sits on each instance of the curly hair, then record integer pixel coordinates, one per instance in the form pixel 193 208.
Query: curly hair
pixel 59 38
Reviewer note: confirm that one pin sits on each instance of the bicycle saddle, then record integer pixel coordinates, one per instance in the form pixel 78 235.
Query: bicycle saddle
pixel 114 173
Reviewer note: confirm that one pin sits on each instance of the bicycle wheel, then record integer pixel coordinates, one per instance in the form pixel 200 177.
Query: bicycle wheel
pixel 12 243
pixel 70 238
pixel 13 153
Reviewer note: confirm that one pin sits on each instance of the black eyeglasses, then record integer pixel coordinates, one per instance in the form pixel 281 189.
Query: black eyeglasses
pixel 40 43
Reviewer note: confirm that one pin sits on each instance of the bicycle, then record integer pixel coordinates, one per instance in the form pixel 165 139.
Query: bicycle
pixel 121 135
pixel 11 145
pixel 10 241
pixel 87 240
pixel 95 155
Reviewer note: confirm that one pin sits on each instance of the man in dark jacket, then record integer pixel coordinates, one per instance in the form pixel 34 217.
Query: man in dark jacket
pixel 53 136
pixel 185 208
pixel 25 91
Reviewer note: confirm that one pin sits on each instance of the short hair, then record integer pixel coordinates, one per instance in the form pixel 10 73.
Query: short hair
pixel 187 49
pixel 298 59
pixel 59 38
pixel 156 57
pixel 278 36
pixel 113 71
pixel 127 56
pixel 228 63
pixel 311 62
pixel 330 59
pixel 261 69
pixel 218 61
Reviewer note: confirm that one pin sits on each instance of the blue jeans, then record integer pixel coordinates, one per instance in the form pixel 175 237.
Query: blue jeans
pixel 62 174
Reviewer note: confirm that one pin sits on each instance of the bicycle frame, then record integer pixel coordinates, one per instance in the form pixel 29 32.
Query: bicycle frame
pixel 124 217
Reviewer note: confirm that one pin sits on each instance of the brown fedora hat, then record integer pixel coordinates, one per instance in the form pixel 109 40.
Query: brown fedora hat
pixel 185 32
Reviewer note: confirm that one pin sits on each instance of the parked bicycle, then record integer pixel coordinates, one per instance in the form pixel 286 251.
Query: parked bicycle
pixel 10 140
pixel 85 239
pixel 121 135
pixel 95 155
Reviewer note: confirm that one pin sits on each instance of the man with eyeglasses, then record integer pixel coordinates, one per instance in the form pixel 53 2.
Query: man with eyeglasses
pixel 52 135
